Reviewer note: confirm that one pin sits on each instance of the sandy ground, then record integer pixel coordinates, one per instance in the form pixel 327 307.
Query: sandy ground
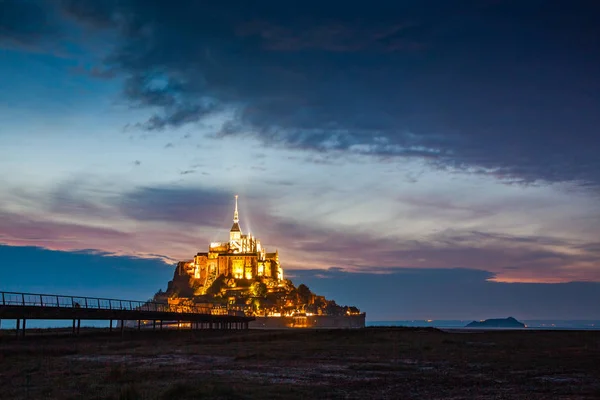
pixel 386 363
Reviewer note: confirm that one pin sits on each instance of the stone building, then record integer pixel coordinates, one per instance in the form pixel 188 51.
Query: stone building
pixel 242 257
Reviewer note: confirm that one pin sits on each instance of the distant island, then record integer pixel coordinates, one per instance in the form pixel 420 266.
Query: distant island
pixel 509 322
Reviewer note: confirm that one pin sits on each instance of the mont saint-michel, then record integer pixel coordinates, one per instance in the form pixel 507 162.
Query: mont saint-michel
pixel 241 275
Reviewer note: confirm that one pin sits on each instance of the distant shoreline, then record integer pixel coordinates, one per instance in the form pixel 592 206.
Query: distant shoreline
pixel 541 324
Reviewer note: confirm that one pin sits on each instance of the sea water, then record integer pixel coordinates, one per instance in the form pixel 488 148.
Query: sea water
pixel 436 323
pixel 457 323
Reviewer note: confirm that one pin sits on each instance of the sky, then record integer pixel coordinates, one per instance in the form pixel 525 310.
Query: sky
pixel 426 154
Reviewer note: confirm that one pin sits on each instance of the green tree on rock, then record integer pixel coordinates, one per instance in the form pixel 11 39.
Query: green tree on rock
pixel 258 289
pixel 217 285
pixel 304 293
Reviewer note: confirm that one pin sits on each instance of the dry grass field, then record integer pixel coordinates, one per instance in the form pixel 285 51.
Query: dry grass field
pixel 386 363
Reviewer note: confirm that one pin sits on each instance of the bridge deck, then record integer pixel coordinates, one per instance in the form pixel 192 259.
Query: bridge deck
pixel 24 306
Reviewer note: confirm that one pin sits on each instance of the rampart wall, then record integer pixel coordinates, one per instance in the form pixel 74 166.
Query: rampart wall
pixel 315 321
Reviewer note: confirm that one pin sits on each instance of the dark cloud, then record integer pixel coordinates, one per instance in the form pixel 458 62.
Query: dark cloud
pixel 150 90
pixel 179 219
pixel 401 294
pixel 512 257
pixel 27 23
pixel 18 229
pixel 280 182
pixel 451 294
pixel 71 197
pixel 177 205
pixel 82 273
pixel 331 36
pixel 95 72
pixel 505 88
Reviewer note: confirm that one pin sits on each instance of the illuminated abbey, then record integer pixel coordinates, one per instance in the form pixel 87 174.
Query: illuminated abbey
pixel 242 257
pixel 241 276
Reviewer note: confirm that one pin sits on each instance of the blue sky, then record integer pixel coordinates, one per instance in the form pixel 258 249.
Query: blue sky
pixel 432 136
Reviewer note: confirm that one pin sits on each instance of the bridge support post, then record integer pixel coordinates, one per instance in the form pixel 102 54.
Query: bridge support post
pixel 154 325
pixel 161 321
pixel 139 324
pixel 78 326
pixel 18 326
pixel 73 327
pixel 23 330
pixel 110 326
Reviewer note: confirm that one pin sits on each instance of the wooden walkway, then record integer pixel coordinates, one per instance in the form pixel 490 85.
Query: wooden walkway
pixel 25 306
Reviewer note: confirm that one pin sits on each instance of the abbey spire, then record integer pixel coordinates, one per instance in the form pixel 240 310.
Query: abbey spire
pixel 236 218
pixel 235 234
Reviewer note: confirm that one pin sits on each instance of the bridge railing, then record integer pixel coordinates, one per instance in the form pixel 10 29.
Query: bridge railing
pixel 96 303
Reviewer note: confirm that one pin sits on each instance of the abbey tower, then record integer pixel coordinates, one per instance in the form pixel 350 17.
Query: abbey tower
pixel 242 257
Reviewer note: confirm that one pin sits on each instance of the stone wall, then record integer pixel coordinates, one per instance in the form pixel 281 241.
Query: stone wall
pixel 315 321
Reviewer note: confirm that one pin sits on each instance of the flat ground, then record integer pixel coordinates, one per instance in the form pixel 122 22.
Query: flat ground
pixel 391 363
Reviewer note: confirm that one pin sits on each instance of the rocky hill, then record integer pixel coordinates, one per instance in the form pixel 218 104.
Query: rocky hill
pixel 257 297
